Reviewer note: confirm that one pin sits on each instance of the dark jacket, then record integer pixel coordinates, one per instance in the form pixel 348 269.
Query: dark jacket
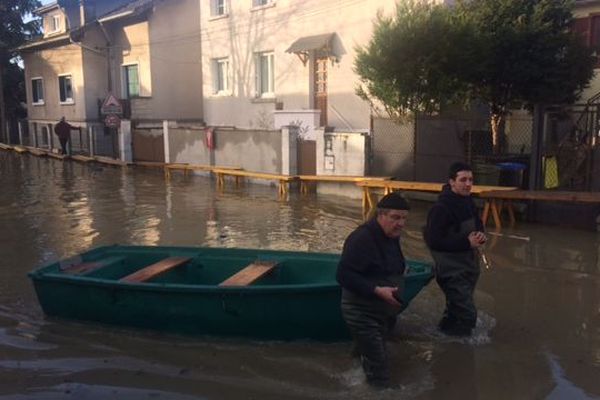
pixel 444 221
pixel 63 130
pixel 369 259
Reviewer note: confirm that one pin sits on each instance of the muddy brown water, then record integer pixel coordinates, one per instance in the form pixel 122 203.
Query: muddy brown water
pixel 538 334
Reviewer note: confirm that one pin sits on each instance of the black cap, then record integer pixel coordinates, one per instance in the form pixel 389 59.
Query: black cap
pixel 393 201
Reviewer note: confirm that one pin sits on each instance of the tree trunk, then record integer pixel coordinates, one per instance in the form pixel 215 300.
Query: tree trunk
pixel 496 122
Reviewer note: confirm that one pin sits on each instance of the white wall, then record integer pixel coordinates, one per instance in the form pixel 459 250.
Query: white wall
pixel 245 31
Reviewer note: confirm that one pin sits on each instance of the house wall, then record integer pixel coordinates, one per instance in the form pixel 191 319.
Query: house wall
pixel 133 42
pixel 262 150
pixel 95 72
pixel 245 31
pixel 49 64
pixel 47 23
pixel 187 145
pixel 166 49
pixel 341 153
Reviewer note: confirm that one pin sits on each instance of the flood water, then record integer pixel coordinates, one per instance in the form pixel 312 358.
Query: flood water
pixel 538 334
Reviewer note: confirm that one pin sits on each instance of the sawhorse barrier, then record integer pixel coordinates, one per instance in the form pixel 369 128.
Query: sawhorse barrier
pixel 284 180
pixel 490 205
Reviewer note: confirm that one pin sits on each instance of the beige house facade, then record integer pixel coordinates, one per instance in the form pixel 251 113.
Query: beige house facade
pixel 265 62
pixel 131 49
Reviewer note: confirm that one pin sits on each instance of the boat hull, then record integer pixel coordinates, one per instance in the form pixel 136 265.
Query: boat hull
pixel 270 309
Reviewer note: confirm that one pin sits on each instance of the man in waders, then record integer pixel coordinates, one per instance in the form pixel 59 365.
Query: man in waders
pixel 371 273
pixel 453 234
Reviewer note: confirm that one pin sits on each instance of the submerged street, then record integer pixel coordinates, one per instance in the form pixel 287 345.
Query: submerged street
pixel 538 333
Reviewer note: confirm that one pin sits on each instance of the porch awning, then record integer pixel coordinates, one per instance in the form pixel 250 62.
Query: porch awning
pixel 308 43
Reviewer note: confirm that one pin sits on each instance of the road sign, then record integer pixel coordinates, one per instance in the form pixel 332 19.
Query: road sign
pixel 111 105
pixel 112 121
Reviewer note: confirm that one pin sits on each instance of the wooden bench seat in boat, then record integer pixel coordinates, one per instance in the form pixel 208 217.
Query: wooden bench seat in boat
pixel 90 266
pixel 249 274
pixel 155 269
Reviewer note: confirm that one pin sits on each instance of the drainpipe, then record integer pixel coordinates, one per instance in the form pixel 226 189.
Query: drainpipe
pixel 107 55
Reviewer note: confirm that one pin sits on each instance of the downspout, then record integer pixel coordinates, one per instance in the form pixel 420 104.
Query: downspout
pixel 107 55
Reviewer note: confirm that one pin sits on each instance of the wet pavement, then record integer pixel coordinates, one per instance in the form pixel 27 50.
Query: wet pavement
pixel 538 334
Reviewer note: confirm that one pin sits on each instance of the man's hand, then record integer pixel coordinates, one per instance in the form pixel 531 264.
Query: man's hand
pixel 477 239
pixel 386 293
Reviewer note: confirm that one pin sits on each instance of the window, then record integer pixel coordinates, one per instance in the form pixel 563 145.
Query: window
pixel 65 87
pixel 54 24
pixel 258 3
pixel 37 91
pixel 220 76
pixel 265 82
pixel 218 7
pixel 131 81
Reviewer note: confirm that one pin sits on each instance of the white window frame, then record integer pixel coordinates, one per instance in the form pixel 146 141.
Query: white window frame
pixel 67 100
pixel 125 83
pixel 219 8
pixel 220 69
pixel 261 80
pixel 40 101
pixel 54 23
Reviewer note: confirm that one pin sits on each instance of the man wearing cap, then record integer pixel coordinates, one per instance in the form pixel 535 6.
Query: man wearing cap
pixel 453 233
pixel 371 273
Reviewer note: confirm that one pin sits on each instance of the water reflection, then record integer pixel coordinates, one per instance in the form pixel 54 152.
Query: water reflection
pixel 538 335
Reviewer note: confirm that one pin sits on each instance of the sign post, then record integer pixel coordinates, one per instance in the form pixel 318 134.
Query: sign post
pixel 112 109
pixel 111 105
pixel 112 121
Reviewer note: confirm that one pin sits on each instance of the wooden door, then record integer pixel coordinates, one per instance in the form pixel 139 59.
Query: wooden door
pixel 307 157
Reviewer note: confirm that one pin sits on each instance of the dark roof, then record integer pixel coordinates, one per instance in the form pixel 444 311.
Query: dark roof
pixel 47 7
pixel 133 7
pixel 130 8
pixel 307 43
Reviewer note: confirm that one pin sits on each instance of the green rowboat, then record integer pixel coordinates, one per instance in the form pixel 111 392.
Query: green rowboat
pixel 259 294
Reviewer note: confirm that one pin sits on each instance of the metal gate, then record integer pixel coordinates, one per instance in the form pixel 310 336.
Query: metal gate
pixel 307 157
pixel 570 147
pixel 392 149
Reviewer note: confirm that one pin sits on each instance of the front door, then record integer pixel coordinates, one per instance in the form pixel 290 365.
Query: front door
pixel 321 88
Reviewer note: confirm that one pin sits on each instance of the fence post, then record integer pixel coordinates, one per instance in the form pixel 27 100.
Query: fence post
pixel 20 132
pixel 289 152
pixel 166 141
pixel 35 137
pixel 90 130
pixel 125 141
pixel 537 142
pixel 49 137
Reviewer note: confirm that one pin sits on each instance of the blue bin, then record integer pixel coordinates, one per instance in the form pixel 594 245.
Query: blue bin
pixel 511 174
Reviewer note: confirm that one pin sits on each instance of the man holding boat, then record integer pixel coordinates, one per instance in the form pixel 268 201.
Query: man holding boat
pixel 371 273
pixel 454 233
